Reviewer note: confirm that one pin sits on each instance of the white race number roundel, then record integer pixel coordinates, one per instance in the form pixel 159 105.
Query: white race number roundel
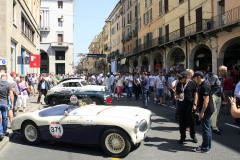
pixel 56 129
pixel 73 99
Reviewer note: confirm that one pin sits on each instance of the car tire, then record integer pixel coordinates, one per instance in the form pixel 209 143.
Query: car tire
pixel 31 133
pixel 135 146
pixel 97 101
pixel 120 138
pixel 53 101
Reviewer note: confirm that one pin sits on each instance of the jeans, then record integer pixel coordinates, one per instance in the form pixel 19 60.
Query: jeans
pixel 144 97
pixel 14 104
pixel 206 132
pixel 217 101
pixel 4 114
pixel 129 92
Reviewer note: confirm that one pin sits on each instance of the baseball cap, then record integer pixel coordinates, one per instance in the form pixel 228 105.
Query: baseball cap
pixel 12 73
pixel 183 75
pixel 198 73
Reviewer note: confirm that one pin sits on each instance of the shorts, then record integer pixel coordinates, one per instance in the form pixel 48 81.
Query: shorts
pixel 151 89
pixel 33 87
pixel 22 100
pixel 160 92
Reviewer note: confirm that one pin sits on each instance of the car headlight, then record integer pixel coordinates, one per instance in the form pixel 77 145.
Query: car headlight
pixel 143 126
pixel 136 127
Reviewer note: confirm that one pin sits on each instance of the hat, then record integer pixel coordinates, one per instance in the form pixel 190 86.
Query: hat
pixel 198 73
pixel 12 73
pixel 183 75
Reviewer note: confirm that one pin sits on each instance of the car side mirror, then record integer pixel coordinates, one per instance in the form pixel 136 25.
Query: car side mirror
pixel 66 113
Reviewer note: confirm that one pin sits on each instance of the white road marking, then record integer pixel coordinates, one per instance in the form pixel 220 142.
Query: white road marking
pixel 232 125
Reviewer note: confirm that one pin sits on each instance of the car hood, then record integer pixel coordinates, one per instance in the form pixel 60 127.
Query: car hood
pixel 113 111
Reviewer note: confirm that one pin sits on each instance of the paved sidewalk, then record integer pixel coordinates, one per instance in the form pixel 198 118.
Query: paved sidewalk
pixel 32 105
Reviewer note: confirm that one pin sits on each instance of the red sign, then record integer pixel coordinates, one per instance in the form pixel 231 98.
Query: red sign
pixel 34 61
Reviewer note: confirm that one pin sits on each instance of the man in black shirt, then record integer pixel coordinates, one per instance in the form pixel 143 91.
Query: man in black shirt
pixel 206 108
pixel 186 94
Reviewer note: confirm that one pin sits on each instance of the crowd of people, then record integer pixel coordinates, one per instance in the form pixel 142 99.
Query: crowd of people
pixel 189 92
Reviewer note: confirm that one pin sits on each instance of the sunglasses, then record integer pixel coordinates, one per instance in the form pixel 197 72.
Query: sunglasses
pixel 21 77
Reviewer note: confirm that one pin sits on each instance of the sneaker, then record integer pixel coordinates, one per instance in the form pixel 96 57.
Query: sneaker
pixel 200 150
pixel 218 132
pixel 181 141
pixel 194 139
pixel 164 104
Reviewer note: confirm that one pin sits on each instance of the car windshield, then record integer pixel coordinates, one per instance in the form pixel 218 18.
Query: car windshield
pixel 84 83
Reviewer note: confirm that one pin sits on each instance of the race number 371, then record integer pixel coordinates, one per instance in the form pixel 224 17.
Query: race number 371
pixel 56 129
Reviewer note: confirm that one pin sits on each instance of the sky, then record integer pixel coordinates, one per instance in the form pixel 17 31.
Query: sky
pixel 89 21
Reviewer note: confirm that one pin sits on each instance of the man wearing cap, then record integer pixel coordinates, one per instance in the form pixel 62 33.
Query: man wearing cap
pixel 206 109
pixel 187 97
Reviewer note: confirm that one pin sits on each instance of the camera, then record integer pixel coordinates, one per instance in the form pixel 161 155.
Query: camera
pixel 238 102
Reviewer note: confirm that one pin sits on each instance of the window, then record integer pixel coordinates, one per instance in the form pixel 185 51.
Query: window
pixel 139 9
pixel 130 16
pixel 23 25
pixel 60 4
pixel 139 23
pixel 166 6
pixel 14 8
pixel 60 23
pixel 150 2
pixel 65 84
pixel 27 29
pixel 151 16
pixel 160 7
pixel 60 37
pixel 146 3
pixel 146 19
pixel 60 55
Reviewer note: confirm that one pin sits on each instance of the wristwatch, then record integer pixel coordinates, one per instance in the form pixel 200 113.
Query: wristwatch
pixel 203 111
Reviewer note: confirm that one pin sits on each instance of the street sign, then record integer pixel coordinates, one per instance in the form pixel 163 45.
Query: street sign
pixel 34 61
pixel 3 61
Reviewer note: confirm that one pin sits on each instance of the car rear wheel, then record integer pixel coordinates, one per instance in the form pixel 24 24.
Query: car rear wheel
pixel 115 143
pixel 31 133
pixel 53 101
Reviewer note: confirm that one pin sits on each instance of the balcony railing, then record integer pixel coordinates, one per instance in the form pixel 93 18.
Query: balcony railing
pixel 45 29
pixel 59 44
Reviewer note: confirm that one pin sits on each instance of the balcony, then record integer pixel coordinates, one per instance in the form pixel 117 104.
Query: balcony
pixel 44 29
pixel 59 45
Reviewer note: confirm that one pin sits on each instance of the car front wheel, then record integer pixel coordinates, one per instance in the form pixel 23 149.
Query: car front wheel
pixel 115 143
pixel 54 101
pixel 31 133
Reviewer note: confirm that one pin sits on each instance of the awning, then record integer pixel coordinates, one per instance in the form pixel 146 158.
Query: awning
pixel 123 61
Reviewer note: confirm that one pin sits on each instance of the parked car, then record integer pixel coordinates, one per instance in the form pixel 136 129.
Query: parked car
pixel 77 85
pixel 116 129
pixel 63 97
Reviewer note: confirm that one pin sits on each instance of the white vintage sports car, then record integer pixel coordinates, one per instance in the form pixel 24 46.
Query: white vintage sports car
pixel 77 85
pixel 116 129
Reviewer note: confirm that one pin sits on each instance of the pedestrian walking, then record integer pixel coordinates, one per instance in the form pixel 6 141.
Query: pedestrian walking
pixel 160 85
pixel 228 91
pixel 152 79
pixel 129 85
pixel 137 88
pixel 15 91
pixel 5 93
pixel 119 84
pixel 145 88
pixel 215 84
pixel 42 88
pixel 206 108
pixel 23 94
pixel 186 94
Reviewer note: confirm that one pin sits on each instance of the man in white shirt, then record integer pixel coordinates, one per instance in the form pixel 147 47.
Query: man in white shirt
pixel 160 87
pixel 129 85
pixel 152 79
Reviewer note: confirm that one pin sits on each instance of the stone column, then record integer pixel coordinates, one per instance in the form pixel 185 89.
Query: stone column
pixel 214 50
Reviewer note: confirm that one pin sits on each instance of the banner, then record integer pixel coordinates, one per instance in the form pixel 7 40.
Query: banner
pixel 34 60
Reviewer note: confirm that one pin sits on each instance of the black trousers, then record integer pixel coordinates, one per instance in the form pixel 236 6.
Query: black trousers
pixel 185 119
pixel 41 92
pixel 137 91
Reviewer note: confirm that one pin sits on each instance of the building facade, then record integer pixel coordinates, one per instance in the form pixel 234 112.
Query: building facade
pixel 93 49
pixel 57 36
pixel 20 34
pixel 174 34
